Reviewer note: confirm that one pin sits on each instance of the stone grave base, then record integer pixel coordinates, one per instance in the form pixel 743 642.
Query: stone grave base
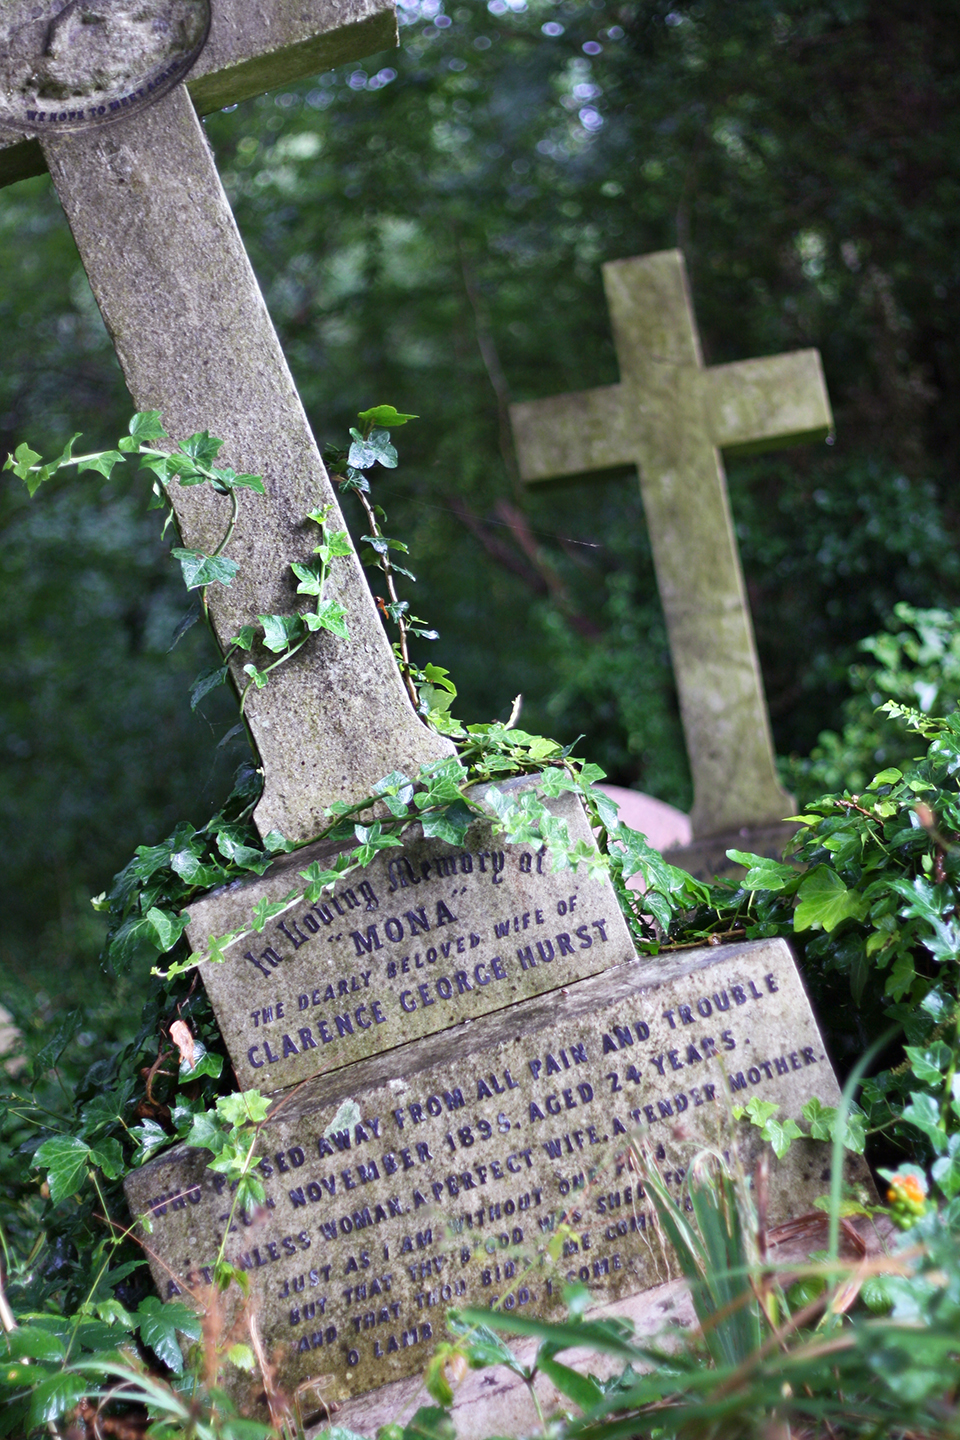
pixel 440 1173
pixel 496 1402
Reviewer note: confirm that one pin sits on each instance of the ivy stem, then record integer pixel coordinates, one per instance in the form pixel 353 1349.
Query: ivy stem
pixel 387 569
pixel 236 1198
pixel 234 512
pixel 281 660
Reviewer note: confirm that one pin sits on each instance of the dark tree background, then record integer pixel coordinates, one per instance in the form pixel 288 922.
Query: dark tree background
pixel 428 227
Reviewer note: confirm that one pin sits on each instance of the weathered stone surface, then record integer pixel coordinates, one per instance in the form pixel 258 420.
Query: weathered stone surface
pixel 179 297
pixel 436 1174
pixel 252 48
pixel 670 417
pixel 423 938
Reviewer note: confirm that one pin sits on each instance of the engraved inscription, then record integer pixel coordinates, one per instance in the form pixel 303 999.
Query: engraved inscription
pixel 425 938
pixel 69 64
pixel 444 1178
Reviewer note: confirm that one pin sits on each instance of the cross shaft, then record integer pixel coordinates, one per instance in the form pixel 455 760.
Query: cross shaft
pixel 179 298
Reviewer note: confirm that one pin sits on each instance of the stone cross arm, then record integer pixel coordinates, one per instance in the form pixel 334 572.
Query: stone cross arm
pixel 748 406
pixel 253 47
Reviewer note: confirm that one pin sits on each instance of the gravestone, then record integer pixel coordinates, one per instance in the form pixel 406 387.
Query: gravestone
pixel 450 937
pixel 671 417
pixel 100 87
pixel 438 1175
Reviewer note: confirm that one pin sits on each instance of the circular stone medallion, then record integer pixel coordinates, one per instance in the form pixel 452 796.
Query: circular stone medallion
pixel 68 64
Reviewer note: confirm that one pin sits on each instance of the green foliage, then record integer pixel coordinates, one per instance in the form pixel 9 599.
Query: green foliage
pixel 916 663
pixel 764 1362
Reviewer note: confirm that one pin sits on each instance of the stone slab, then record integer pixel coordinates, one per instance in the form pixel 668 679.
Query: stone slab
pixel 253 48
pixel 423 938
pixel 438 1173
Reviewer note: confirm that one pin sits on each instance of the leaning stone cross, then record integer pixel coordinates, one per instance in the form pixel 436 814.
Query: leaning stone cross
pixel 671 417
pixel 79 88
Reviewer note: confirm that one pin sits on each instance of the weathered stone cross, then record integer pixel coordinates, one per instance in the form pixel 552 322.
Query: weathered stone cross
pixel 179 297
pixel 671 417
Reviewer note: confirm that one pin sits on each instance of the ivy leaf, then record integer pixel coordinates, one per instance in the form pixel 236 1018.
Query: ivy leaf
pixel 232 848
pixel 396 791
pixel 556 780
pixel 924 1112
pixel 135 942
pixel 780 1135
pixel 335 543
pixel 206 1133
pixel 102 463
pixel 386 416
pixel 246 1108
pixel 199 569
pixel 159 1324
pixel 206 681
pixel 825 902
pixel 820 1118
pixel 230 480
pixel 372 838
pixel 310 577
pixel 450 824
pixel 167 926
pixel 259 677
pixel 109 1157
pixel 763 873
pixel 22 463
pixel 149 1137
pixel 376 447
pixel 67 1160
pixel 202 447
pixel 265 909
pixel 928 1065
pixel 146 427
pixel 434 701
pixel 188 621
pixel 280 632
pixel 321 880
pixel 47 1056
pixel 204 1063
pixel 188 866
pixel 330 616
pixel 245 637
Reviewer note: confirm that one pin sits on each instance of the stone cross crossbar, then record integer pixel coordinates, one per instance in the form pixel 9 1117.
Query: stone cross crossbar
pixel 252 48
pixel 181 302
pixel 670 416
